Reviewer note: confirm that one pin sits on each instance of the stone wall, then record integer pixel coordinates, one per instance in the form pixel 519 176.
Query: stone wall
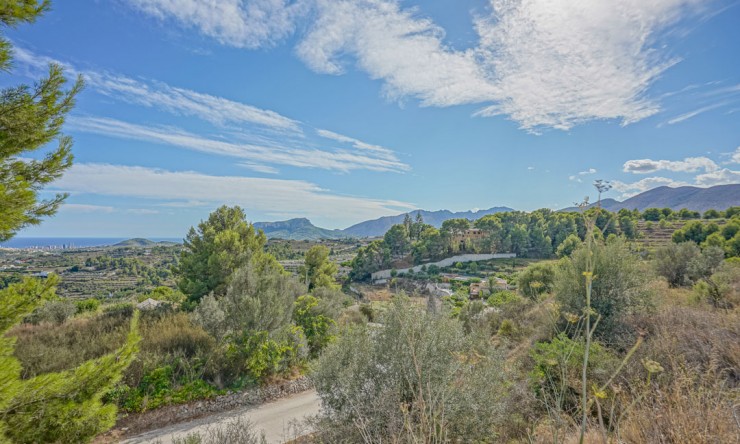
pixel 173 414
pixel 385 274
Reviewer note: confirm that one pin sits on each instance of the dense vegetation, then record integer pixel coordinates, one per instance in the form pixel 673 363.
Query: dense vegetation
pixel 610 342
pixel 540 234
pixel 594 347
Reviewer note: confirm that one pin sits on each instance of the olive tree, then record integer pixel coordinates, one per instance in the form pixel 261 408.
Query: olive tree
pixel 619 284
pixel 415 378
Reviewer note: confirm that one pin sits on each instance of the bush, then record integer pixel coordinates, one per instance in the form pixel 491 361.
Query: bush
pixel 557 370
pixel 536 280
pixel 672 262
pixel 316 325
pixel 88 305
pixel 55 312
pixel 416 379
pixel 501 298
pixel 620 285
pixel 237 431
pixel 259 356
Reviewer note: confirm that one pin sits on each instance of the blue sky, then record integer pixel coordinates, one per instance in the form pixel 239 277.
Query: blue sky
pixel 342 111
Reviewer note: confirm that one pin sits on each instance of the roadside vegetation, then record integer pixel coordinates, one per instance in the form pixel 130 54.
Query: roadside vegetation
pixel 606 327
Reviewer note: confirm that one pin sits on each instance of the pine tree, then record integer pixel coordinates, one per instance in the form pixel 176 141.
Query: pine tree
pixel 318 271
pixel 54 407
pixel 30 118
pixel 216 249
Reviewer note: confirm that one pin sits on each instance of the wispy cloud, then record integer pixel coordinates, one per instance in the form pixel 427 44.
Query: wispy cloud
pixel 259 168
pixel 694 113
pixel 360 145
pixel 688 165
pixel 174 100
pixel 295 157
pixel 578 176
pixel 217 110
pixel 183 188
pixel 237 23
pixel 552 63
pixel 85 208
pixel 261 148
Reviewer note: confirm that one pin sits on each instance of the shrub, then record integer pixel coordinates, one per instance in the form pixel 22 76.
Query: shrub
pixel 237 431
pixel 619 285
pixel 672 262
pixel 87 305
pixel 316 325
pixel 501 298
pixel 557 370
pixel 55 312
pixel 536 280
pixel 416 379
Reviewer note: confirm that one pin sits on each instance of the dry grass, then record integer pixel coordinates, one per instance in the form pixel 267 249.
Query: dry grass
pixel 692 409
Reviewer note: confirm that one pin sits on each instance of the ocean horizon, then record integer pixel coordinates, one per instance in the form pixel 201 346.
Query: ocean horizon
pixel 73 242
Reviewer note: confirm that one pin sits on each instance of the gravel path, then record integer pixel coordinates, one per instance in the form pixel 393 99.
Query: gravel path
pixel 274 418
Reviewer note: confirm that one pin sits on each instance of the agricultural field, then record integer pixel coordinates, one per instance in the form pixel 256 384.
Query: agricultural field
pixel 100 272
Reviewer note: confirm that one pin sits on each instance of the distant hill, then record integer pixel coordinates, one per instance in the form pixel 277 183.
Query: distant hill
pixel 141 242
pixel 719 197
pixel 378 227
pixel 297 229
pixel 607 204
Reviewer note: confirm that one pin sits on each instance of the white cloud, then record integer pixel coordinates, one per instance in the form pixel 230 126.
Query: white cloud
pixel 217 110
pixel 142 211
pixel 267 147
pixel 736 156
pixel 296 157
pixel 397 46
pixel 708 173
pixel 246 24
pixel 294 197
pixel 719 177
pixel 577 177
pixel 543 63
pixel 559 63
pixel 360 145
pixel 688 165
pixel 85 208
pixel 153 94
pixel 259 168
pixel 631 189
pixel 696 112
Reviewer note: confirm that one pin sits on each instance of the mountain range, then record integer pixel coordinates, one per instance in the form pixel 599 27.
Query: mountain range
pixel 298 229
pixel 719 197
pixel 698 199
pixel 303 229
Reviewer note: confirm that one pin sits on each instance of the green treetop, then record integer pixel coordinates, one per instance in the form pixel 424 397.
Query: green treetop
pixel 218 247
pixel 318 271
pixel 30 118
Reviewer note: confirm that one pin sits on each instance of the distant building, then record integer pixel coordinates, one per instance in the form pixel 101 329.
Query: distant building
pixel 472 235
pixel 439 290
pixel 41 274
pixel 476 288
pixel 149 304
pixel 499 283
pixel 495 283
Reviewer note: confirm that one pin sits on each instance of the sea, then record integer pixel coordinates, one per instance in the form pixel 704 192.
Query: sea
pixel 53 243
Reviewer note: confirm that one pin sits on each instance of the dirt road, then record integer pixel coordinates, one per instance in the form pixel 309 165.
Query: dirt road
pixel 274 418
